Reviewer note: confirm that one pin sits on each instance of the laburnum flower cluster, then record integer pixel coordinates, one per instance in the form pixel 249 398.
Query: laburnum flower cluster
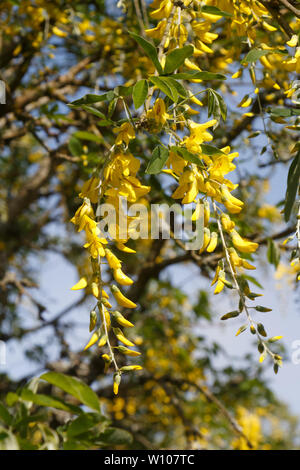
pixel 184 34
pixel 118 179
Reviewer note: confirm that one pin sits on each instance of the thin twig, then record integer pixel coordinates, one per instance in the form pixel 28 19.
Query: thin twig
pixel 290 7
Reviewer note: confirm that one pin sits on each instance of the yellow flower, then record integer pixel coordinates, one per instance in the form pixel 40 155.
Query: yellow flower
pixel 102 342
pixel 236 260
pixel 158 113
pixel 246 101
pixel 90 189
pixel 203 36
pixel 233 204
pixel 206 240
pixel 94 338
pixel 125 133
pixel 58 32
pixel 93 320
pixel 221 166
pixel 113 261
pixel 268 27
pixel 206 212
pixel 270 212
pixel 293 41
pixel 121 278
pixel 117 381
pixel 84 210
pixel 242 244
pixel 227 223
pixel 122 338
pixel 133 367
pixel 191 65
pixel 198 135
pixel 213 242
pixel 121 299
pixel 158 31
pixel 175 162
pixel 128 352
pixel 164 9
pixel 219 279
pixel 105 315
pixel 251 427
pixel 237 74
pixel 95 244
pixel 81 284
pixel 122 320
pixel 124 248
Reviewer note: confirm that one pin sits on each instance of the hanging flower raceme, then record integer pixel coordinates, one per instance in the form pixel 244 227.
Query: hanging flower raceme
pixel 118 180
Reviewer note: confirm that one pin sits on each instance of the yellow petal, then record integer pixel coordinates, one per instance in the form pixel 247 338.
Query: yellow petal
pixel 81 284
pixel 293 41
pixel 121 278
pixel 58 32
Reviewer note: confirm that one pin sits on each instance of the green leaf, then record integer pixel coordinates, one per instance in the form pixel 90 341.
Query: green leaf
pixel 74 387
pixel 256 54
pixel 158 160
pixel 284 112
pixel 233 314
pixel 244 285
pixel 104 123
pixel 94 111
pixel 211 150
pixel 46 400
pixel 253 280
pixel 186 155
pixel 176 58
pixel 140 92
pixel 85 135
pixel 273 254
pixel 5 417
pixel 112 106
pixel 75 147
pixel 149 49
pixel 274 339
pixel 11 398
pixel 115 436
pixel 83 423
pixel 253 295
pixel 261 329
pixel 260 308
pixel 176 88
pixel 216 105
pixel 166 87
pixel 214 11
pixel 194 75
pixel 182 92
pixel 292 186
pixel 71 444
pixel 260 347
pixel 90 99
pixel 175 84
pixel 241 329
pixel 122 90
